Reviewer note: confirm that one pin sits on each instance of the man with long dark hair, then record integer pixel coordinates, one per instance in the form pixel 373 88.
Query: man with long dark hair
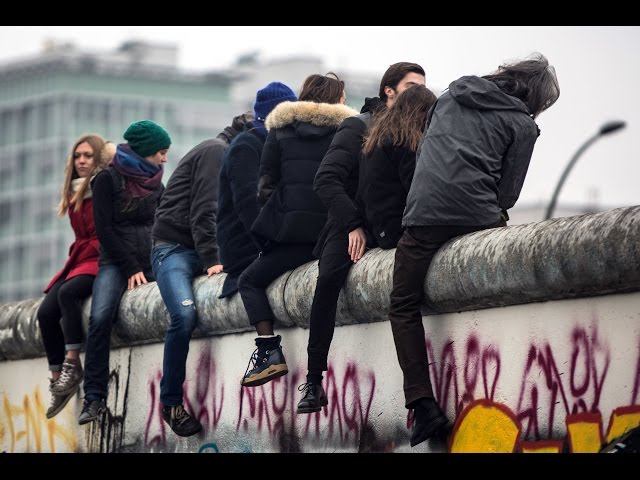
pixel 470 170
pixel 343 240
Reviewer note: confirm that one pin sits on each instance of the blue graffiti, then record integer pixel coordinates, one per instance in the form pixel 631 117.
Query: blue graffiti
pixel 207 446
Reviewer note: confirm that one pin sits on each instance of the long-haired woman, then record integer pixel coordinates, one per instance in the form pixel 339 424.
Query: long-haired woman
pixel 60 313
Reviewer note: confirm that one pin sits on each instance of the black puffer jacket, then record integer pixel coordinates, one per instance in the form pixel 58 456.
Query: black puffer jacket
pixel 474 157
pixel 388 172
pixel 300 134
pixel 123 226
pixel 338 176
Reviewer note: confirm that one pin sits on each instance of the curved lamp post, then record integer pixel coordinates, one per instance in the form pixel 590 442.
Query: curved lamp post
pixel 607 128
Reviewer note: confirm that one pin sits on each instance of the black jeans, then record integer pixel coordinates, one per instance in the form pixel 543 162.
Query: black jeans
pixel 60 317
pixel 334 265
pixel 254 281
pixel 414 254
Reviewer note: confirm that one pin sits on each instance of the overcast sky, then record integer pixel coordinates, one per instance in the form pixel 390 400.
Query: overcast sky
pixel 598 69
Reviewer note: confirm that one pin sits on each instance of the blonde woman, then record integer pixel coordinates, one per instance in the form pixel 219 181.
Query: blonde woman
pixel 60 314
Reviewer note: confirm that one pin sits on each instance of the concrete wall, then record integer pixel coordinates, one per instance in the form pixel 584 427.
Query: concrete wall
pixel 514 375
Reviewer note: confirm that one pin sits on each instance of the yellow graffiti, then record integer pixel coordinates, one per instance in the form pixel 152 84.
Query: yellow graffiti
pixel 542 447
pixel 585 432
pixel 484 427
pixel 622 420
pixel 24 427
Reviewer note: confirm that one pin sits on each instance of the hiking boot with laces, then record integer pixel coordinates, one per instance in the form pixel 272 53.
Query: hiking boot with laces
pixel 268 363
pixel 70 378
pixel 91 410
pixel 58 401
pixel 180 421
pixel 313 398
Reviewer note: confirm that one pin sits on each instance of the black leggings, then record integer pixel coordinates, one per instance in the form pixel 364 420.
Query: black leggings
pixel 63 301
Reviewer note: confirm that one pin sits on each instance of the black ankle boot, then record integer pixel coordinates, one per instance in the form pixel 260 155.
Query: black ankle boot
pixel 313 398
pixel 428 420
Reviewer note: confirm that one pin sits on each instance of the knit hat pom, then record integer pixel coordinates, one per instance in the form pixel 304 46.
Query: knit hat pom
pixel 269 97
pixel 147 138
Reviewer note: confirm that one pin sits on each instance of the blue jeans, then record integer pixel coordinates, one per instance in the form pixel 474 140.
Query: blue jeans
pixel 108 288
pixel 174 267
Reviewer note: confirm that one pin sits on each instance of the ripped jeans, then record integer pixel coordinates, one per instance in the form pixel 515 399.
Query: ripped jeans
pixel 175 267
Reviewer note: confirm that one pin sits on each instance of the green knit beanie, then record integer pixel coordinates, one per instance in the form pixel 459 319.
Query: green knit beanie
pixel 147 138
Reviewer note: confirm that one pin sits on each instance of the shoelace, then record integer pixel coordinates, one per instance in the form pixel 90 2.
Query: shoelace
pixel 255 358
pixel 67 372
pixel 305 386
pixel 179 415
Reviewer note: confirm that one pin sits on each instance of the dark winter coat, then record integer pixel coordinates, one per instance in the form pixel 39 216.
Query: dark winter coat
pixel 337 179
pixel 83 253
pixel 300 134
pixel 238 207
pixel 388 172
pixel 474 157
pixel 123 226
pixel 188 207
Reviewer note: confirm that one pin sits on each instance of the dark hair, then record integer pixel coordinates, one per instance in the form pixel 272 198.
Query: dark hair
pixel 531 80
pixel 404 121
pixel 394 75
pixel 322 88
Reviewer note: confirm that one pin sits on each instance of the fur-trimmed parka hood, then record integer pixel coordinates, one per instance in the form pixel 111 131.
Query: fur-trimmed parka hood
pixel 318 114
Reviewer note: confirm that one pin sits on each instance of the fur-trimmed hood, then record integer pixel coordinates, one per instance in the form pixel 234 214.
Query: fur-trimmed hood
pixel 318 114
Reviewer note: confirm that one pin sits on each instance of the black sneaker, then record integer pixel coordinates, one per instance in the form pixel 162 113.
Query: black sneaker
pixel 91 410
pixel 268 363
pixel 428 421
pixel 180 421
pixel 313 399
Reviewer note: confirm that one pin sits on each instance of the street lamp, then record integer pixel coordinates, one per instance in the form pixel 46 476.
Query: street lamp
pixel 605 129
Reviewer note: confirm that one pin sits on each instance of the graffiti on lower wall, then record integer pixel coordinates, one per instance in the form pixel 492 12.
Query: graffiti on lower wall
pixel 203 396
pixel 24 427
pixel 272 407
pixel 488 427
pixel 553 388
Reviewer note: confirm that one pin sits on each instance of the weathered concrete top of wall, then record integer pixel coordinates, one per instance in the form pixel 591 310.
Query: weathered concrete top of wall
pixel 561 258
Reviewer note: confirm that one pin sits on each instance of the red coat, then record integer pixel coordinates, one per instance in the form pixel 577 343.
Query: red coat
pixel 83 254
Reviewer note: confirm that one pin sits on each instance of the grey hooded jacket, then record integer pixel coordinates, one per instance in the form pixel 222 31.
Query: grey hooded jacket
pixel 474 157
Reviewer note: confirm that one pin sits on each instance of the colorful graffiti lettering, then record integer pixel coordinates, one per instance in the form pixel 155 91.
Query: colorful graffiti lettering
pixel 485 426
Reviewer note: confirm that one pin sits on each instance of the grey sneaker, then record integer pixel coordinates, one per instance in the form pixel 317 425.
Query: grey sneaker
pixel 58 401
pixel 91 410
pixel 70 378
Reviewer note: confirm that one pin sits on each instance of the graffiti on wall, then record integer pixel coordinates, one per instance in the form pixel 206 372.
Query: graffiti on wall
pixel 554 388
pixel 488 427
pixel 24 427
pixel 272 407
pixel 203 397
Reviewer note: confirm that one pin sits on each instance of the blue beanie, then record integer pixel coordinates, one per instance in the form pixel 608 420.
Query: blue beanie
pixel 147 138
pixel 269 97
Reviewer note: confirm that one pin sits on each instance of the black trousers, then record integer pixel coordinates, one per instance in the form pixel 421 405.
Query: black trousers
pixel 414 254
pixel 60 317
pixel 254 281
pixel 334 265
